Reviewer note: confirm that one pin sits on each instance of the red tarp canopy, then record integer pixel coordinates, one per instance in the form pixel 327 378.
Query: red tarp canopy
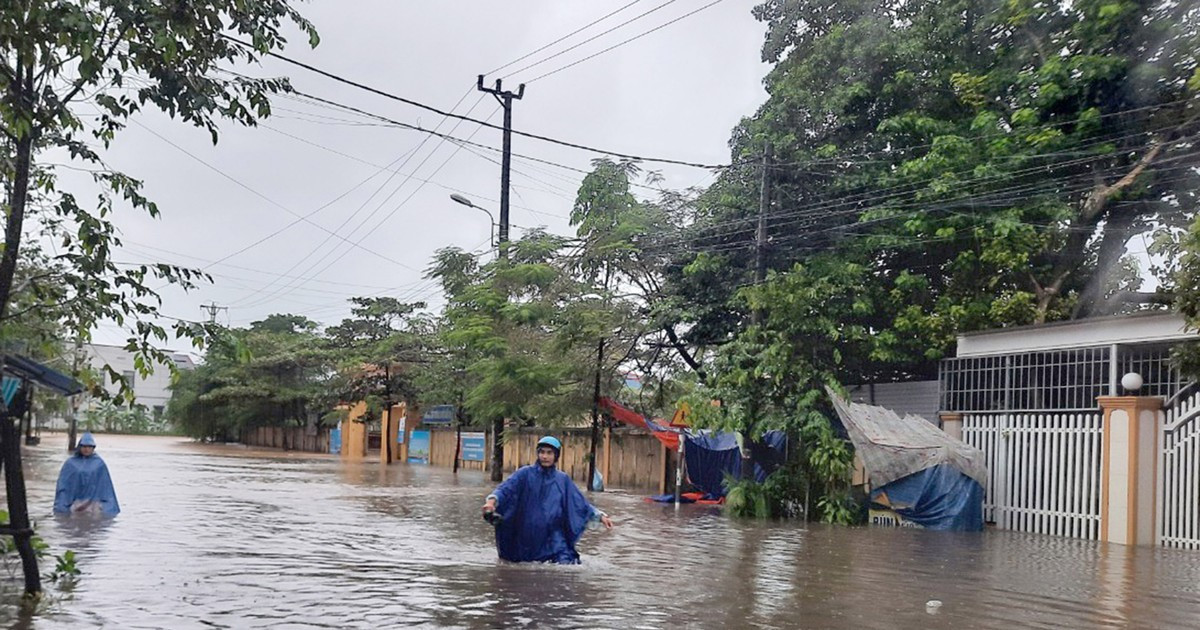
pixel 625 415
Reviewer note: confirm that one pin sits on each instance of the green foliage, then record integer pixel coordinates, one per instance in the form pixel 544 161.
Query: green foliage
pixel 747 499
pixel 66 569
pixel 108 417
pixel 120 56
pixel 780 495
pixel 65 574
pixel 274 373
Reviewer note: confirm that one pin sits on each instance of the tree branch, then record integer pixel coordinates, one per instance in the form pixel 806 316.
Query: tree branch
pixel 81 82
pixel 1071 255
pixel 683 351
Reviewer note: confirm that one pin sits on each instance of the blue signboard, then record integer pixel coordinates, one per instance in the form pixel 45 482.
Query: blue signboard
pixel 335 441
pixel 474 446
pixel 418 447
pixel 441 414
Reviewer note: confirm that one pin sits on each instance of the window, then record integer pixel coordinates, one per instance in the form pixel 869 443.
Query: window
pixel 130 378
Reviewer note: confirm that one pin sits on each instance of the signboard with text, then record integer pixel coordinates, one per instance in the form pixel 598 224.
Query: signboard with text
pixel 474 447
pixel 441 414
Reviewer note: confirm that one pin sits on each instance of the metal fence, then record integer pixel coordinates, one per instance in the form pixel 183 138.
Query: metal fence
pixel 1043 470
pixel 1053 380
pixel 1178 482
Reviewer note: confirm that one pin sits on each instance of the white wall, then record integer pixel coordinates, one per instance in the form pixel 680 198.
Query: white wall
pixel 151 391
pixel 919 398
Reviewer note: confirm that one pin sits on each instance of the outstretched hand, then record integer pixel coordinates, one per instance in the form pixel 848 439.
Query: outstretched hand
pixel 608 524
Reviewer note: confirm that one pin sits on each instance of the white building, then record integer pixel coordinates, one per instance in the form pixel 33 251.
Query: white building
pixel 153 391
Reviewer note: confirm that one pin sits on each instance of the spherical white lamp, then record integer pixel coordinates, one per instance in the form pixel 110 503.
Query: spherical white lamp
pixel 1131 382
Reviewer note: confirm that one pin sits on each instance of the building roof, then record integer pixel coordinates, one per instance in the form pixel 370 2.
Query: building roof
pixel 40 375
pixel 1135 328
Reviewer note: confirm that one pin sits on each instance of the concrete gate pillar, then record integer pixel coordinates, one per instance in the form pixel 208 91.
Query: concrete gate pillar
pixel 952 424
pixel 1128 468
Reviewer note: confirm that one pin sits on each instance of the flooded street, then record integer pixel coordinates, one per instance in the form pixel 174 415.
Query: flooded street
pixel 213 536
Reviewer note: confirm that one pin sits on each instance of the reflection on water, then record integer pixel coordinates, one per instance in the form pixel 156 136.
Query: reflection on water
pixel 220 537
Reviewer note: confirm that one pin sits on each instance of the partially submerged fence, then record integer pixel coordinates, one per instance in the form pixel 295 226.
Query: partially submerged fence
pixel 1178 479
pixel 1044 470
pixel 307 439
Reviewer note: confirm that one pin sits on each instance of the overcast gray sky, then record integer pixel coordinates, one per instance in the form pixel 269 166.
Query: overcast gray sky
pixel 676 92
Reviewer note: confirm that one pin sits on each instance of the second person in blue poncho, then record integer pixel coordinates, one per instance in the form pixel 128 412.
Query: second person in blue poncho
pixel 539 513
pixel 84 484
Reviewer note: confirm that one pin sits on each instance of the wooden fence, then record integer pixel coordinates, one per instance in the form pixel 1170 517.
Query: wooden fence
pixel 288 438
pixel 637 461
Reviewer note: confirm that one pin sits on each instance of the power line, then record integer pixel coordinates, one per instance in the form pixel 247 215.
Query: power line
pixel 592 38
pixel 451 138
pixel 262 196
pixel 631 39
pixel 374 212
pixel 564 37
pixel 870 195
pixel 440 112
pixel 126 244
pixel 474 195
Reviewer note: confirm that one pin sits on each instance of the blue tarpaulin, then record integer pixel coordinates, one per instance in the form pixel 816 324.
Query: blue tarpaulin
pixel 940 498
pixel 711 456
pixel 927 477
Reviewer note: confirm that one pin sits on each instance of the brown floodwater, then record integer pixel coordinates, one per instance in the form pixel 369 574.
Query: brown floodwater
pixel 218 536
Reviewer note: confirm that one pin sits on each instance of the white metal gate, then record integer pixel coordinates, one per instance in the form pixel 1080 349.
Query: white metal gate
pixel 1179 474
pixel 1043 470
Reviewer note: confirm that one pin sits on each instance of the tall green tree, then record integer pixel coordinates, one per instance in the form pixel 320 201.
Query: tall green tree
pixel 981 179
pixel 276 372
pixel 119 55
pixel 379 349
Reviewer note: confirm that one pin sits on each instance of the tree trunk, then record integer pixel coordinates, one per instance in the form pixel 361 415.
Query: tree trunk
pixel 18 510
pixel 458 422
pixel 1111 249
pixel 498 449
pixel 18 197
pixel 595 417
pixel 10 447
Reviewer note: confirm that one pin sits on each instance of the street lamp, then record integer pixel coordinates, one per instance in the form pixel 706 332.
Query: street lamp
pixel 457 198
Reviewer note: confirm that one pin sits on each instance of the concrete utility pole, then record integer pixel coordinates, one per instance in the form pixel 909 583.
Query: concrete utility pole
pixel 505 98
pixel 212 309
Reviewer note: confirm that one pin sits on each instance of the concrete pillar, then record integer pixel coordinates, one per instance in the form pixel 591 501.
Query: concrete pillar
pixel 1128 468
pixel 952 423
pixel 354 433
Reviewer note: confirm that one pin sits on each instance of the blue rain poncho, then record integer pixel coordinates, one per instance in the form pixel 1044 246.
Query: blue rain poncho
pixel 84 485
pixel 543 514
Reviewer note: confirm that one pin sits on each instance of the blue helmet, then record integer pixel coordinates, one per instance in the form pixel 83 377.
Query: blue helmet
pixel 552 442
pixel 87 439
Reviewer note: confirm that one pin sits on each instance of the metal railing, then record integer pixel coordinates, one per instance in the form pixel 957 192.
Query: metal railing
pixel 1053 380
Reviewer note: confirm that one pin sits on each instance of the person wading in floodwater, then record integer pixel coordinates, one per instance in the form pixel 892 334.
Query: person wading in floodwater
pixel 84 484
pixel 538 512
